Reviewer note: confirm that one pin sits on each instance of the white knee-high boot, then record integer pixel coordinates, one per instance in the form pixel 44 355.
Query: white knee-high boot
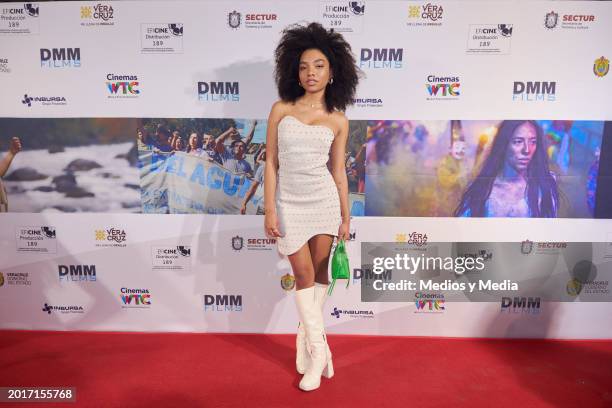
pixel 320 357
pixel 302 357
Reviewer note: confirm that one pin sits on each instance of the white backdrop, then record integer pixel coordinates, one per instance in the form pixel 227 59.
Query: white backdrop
pixel 34 297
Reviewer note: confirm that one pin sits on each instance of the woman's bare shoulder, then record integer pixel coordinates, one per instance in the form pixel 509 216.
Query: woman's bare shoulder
pixel 339 119
pixel 280 108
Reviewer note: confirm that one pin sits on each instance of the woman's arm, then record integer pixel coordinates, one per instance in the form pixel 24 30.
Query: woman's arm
pixel 271 223
pixel 338 171
pixel 220 140
pixel 6 161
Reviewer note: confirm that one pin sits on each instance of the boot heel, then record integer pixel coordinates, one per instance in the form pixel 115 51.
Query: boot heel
pixel 328 372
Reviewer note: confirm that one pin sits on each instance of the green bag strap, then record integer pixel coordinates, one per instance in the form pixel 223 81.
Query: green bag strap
pixel 331 287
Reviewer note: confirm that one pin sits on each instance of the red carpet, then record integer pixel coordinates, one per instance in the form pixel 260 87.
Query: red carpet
pixel 209 370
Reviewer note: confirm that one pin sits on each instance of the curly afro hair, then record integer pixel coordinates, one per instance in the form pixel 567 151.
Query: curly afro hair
pixel 294 41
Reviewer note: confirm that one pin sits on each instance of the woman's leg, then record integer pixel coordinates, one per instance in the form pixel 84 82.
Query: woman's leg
pixel 320 248
pixel 302 266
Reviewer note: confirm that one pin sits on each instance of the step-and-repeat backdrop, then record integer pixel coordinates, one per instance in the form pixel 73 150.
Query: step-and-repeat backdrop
pixel 123 213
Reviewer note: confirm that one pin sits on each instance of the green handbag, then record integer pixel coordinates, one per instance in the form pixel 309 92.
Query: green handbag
pixel 340 266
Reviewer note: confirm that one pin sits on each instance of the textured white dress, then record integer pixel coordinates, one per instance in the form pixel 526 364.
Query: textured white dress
pixel 307 200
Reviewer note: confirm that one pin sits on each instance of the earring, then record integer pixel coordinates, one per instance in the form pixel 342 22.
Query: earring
pixel 299 83
pixel 331 81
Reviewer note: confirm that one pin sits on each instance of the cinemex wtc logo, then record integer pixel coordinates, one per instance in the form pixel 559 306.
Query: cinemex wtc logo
pixel 445 87
pixel 429 302
pixel 135 298
pixel 376 58
pixel 223 303
pixel 122 86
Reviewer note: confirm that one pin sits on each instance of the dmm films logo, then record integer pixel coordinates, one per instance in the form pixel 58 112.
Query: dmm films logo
pixel 177 258
pixel 253 244
pixel 534 91
pixel 98 15
pixel 135 298
pixel 111 237
pixel 223 303
pixel 15 279
pixel 352 313
pixel 344 17
pixel 368 275
pixel 161 38
pixel 60 58
pixel 600 67
pixel 19 20
pixel 63 309
pixel 36 239
pixel 429 14
pixel 251 20
pixel 443 88
pixel 77 273
pixel 520 305
pixel 489 38
pixel 122 86
pixel 569 21
pixel 429 302
pixel 218 91
pixel 381 58
pixel 4 66
pixel 29 100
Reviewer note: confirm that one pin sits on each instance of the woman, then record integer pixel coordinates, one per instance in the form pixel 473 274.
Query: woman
pixel 5 163
pixel 178 144
pixel 316 78
pixel 514 180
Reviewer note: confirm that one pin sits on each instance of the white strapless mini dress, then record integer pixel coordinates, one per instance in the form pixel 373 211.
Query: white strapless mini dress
pixel 307 200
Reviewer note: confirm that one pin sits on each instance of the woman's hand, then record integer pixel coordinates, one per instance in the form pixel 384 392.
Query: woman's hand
pixel 344 231
pixel 15 146
pixel 271 225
